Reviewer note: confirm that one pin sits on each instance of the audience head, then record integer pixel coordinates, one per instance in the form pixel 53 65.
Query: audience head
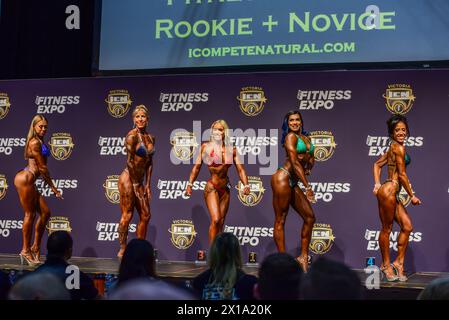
pixel 279 278
pixel 330 280
pixel 138 261
pixel 60 244
pixel 225 259
pixel 149 289
pixel 438 289
pixel 39 286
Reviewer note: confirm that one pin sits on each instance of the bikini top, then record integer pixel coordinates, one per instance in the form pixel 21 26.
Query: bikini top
pixel 216 160
pixel 45 151
pixel 142 150
pixel 301 147
pixel 407 159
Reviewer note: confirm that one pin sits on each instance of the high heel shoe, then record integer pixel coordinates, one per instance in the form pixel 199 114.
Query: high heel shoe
pixel 401 275
pixel 28 258
pixel 303 262
pixel 36 257
pixel 391 277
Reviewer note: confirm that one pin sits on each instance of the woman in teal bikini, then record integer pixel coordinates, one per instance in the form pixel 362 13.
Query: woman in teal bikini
pixel 390 207
pixel 284 182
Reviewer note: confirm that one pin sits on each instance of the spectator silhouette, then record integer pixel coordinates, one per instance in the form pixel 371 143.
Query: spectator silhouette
pixel 39 286
pixel 330 280
pixel 438 289
pixel 279 278
pixel 59 251
pixel 225 279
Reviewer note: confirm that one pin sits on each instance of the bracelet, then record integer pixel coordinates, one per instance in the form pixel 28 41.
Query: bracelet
pixel 377 185
pixel 189 184
pixel 136 184
pixel 246 186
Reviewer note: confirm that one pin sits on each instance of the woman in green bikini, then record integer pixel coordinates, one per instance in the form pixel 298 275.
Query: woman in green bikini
pixel 390 207
pixel 284 182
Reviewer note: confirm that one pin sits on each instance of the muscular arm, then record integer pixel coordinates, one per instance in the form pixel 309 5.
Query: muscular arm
pixel 197 166
pixel 150 165
pixel 239 166
pixel 35 153
pixel 130 144
pixel 378 166
pixel 290 147
pixel 399 152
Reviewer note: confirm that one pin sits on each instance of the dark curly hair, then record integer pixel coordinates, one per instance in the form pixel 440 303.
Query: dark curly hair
pixel 393 121
pixel 285 129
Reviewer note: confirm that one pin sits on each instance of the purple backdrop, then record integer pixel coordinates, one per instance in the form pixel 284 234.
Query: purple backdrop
pixel 350 109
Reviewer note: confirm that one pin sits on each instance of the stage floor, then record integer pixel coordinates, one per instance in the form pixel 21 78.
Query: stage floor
pixel 183 270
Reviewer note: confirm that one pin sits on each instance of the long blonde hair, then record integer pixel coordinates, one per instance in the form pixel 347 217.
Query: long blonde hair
pixel 225 260
pixel 31 133
pixel 227 141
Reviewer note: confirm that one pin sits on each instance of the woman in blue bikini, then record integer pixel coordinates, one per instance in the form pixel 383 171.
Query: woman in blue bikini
pixel 134 182
pixel 36 152
pixel 390 207
pixel 219 155
pixel 284 182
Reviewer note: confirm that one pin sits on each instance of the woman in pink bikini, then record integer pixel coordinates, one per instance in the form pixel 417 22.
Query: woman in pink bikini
pixel 219 155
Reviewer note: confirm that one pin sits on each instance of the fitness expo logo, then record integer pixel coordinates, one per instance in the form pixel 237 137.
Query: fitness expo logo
pixel 181 101
pixel 61 145
pixel 108 231
pixel 252 100
pixel 378 145
pixel 322 238
pixel 5 104
pixel 58 224
pixel 252 145
pixel 250 235
pixel 7 144
pixel 324 144
pixel 51 104
pixel 255 194
pixel 184 145
pixel 317 99
pixel 3 186
pixel 7 225
pixel 111 189
pixel 399 98
pixel 324 191
pixel 118 102
pixel 112 146
pixel 182 233
pixel 174 189
pixel 60 184
pixel 372 236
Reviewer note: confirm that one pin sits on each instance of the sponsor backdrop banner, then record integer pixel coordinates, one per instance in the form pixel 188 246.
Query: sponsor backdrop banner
pixel 344 112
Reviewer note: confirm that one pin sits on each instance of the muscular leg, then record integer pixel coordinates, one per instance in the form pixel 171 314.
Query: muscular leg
pixel 224 206
pixel 300 203
pixel 143 208
pixel 44 215
pixel 212 202
pixel 127 202
pixel 28 197
pixel 281 201
pixel 403 219
pixel 387 206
